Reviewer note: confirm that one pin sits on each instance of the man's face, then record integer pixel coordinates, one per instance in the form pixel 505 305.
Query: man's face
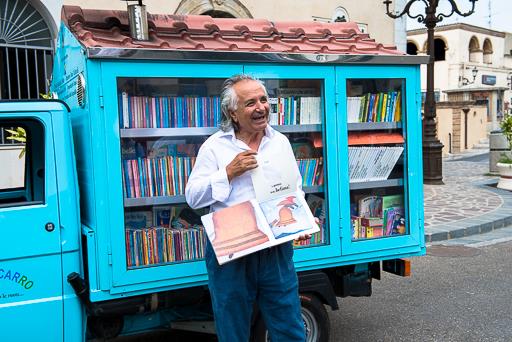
pixel 253 108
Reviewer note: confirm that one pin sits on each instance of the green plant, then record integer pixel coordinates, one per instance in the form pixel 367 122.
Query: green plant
pixel 19 135
pixel 506 129
pixel 47 96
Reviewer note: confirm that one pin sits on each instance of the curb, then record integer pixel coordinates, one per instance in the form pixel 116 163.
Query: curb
pixel 499 218
pixel 459 156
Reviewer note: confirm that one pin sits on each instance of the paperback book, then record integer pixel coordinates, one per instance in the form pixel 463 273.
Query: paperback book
pixel 278 214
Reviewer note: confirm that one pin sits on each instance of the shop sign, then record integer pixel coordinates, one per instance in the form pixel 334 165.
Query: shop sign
pixel 488 79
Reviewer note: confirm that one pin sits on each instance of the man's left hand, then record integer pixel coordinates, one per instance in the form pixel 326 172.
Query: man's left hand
pixel 307 236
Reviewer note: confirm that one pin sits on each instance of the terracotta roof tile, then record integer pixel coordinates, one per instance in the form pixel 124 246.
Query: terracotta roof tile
pixel 102 28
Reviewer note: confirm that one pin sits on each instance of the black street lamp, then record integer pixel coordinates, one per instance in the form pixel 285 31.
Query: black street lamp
pixel 432 147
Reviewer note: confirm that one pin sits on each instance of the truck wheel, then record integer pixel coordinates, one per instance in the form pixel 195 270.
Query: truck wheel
pixel 314 315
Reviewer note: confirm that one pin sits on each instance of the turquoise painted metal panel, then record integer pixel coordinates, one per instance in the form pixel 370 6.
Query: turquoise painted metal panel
pixel 31 309
pixel 30 258
pixel 315 255
pixel 149 278
pixel 413 241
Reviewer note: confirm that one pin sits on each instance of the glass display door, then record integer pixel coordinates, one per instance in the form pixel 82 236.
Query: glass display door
pixel 378 117
pixel 300 100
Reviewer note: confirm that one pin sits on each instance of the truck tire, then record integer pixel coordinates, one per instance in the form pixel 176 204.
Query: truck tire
pixel 314 315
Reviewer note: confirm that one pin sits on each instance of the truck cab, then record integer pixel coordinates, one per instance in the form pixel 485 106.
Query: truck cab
pixel 39 218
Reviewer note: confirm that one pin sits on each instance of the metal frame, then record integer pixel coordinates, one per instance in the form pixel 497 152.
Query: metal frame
pixel 248 57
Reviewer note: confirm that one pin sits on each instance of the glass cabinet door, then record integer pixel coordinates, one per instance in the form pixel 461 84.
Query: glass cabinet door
pixel 380 131
pixel 299 99
pixel 163 122
pixel 296 110
pixel 376 145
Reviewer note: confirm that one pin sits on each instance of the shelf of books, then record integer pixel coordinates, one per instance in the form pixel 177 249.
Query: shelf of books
pixel 376 140
pixel 163 122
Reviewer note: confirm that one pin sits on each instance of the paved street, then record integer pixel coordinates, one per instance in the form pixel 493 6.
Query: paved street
pixel 457 200
pixel 458 292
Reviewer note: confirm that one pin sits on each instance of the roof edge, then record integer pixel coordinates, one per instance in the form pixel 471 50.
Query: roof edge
pixel 246 56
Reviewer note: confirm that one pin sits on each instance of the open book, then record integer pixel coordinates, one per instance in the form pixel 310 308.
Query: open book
pixel 278 214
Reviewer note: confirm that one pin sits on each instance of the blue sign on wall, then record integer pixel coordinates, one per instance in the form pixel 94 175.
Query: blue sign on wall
pixel 488 79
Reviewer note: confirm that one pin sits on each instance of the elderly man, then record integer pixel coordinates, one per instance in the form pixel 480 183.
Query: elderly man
pixel 220 178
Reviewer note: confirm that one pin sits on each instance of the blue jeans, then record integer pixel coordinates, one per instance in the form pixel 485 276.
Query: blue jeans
pixel 267 277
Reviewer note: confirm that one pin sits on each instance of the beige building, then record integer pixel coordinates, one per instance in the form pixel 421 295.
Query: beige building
pixel 473 68
pixel 29 28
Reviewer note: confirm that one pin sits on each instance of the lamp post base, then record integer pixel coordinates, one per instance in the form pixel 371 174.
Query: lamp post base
pixel 433 162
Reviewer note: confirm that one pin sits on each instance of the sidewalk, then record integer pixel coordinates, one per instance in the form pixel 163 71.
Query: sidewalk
pixel 465 204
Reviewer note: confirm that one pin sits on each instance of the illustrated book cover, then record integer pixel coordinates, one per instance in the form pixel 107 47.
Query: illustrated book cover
pixel 251 226
pixel 278 214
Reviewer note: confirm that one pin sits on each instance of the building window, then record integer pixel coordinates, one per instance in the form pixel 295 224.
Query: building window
pixel 26 51
pixel 412 48
pixel 440 50
pixel 474 49
pixel 214 8
pixel 487 51
pixel 340 15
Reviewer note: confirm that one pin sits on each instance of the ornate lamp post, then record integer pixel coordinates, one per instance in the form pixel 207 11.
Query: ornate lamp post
pixel 432 147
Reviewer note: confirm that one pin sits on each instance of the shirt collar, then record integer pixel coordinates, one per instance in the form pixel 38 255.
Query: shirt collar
pixel 269 133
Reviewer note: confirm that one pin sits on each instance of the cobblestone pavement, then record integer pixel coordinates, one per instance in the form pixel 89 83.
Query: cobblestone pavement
pixel 459 198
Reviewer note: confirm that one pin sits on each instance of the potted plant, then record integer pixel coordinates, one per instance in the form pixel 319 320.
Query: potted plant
pixel 504 164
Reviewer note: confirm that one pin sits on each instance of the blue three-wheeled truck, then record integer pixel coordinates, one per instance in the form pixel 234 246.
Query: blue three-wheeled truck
pixel 96 238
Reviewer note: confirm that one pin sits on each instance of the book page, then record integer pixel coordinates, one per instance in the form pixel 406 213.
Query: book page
pixel 274 177
pixel 288 217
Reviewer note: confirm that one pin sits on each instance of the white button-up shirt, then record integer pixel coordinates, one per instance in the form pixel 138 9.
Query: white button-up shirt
pixel 208 183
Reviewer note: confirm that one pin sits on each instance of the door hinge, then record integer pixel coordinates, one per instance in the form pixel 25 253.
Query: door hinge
pixel 101 101
pixel 341 227
pixel 109 254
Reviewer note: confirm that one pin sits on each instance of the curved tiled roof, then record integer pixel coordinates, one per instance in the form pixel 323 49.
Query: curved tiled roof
pixel 109 29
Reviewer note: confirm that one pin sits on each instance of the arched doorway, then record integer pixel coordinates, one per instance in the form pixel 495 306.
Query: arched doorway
pixel 26 51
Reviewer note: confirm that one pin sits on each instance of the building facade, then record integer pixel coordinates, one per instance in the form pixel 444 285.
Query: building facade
pixel 471 64
pixel 28 29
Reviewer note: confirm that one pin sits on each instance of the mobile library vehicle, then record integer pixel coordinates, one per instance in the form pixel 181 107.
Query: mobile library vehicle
pixel 131 261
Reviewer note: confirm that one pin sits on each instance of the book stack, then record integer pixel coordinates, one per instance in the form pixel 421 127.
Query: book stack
pixel 157 245
pixel 161 176
pixel 294 110
pixel 368 163
pixel 379 107
pixel 168 111
pixel 378 216
pixel 311 170
pixel 161 235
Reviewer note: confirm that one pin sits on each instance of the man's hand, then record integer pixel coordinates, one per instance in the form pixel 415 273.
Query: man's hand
pixel 244 161
pixel 307 236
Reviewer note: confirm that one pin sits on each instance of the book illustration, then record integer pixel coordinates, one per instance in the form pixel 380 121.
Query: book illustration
pixel 235 229
pixel 370 206
pixel 251 226
pixel 162 216
pixel 395 221
pixel 163 147
pixel 138 219
pixel 303 148
pixel 285 216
